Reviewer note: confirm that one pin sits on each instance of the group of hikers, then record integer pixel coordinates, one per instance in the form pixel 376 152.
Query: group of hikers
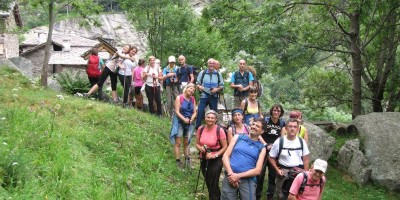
pixel 246 148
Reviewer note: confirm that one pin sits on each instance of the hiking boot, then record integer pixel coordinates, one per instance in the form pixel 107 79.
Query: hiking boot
pixel 188 163
pixel 78 94
pixel 179 164
pixel 85 95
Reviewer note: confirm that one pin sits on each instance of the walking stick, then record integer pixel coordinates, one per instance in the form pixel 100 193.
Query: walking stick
pixel 123 93
pixel 205 174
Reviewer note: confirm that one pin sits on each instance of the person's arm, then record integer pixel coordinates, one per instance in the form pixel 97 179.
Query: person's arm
pixel 220 84
pixel 177 106
pixel 291 197
pixel 255 171
pixel 191 71
pixel 305 134
pixel 144 74
pixel 227 155
pixel 283 131
pixel 306 162
pixel 224 146
pixel 194 115
pixel 133 76
pixel 122 55
pixel 242 104
pixel 198 145
pixel 274 164
pixel 229 135
pixel 294 188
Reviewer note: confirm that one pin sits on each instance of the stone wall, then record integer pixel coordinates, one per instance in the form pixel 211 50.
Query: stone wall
pixel 9 43
pixel 37 58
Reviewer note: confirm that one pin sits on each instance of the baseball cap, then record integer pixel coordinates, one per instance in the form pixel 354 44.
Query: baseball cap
pixel 171 59
pixel 320 165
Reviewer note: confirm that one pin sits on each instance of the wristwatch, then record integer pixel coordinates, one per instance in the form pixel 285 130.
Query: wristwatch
pixel 216 155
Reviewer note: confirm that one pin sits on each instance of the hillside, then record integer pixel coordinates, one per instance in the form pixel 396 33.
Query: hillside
pixel 55 146
pixel 62 147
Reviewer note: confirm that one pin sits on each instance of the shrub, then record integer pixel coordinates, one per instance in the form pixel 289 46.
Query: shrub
pixel 73 82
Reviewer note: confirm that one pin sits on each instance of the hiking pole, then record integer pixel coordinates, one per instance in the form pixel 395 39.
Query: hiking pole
pixel 206 170
pixel 123 93
pixel 198 177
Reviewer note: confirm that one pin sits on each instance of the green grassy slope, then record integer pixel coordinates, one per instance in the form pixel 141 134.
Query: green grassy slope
pixel 72 148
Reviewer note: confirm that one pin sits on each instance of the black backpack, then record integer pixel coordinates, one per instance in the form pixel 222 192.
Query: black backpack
pixel 246 103
pixel 289 149
pixel 304 183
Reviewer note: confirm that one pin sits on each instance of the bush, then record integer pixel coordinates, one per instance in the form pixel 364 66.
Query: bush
pixel 73 82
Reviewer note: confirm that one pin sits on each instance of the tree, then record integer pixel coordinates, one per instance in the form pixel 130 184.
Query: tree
pixel 172 29
pixel 85 8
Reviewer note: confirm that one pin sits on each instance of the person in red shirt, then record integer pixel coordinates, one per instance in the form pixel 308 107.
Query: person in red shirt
pixel 314 186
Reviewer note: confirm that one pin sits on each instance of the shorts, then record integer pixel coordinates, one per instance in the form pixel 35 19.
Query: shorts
pixel 137 89
pixel 183 130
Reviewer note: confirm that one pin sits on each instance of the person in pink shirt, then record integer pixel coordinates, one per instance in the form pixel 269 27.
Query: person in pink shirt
pixel 137 82
pixel 211 142
pixel 314 187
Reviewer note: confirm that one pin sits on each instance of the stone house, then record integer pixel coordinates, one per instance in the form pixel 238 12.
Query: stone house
pixel 9 20
pixel 66 51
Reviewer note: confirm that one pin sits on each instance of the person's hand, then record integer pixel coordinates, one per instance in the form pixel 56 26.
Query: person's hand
pixel 186 120
pixel 269 147
pixel 201 88
pixel 280 172
pixel 233 178
pixel 202 149
pixel 210 156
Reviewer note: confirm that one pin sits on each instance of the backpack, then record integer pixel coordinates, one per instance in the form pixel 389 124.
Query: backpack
pixel 234 128
pixel 289 149
pixel 203 74
pixel 304 183
pixel 281 121
pixel 259 88
pixel 92 68
pixel 178 73
pixel 246 103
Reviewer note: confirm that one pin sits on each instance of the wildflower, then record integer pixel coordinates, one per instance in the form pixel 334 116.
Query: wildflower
pixel 3 118
pixel 60 97
pixel 14 163
pixel 5 143
pixel 15 89
pixel 57 107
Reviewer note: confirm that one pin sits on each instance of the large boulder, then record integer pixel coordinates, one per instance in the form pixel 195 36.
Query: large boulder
pixel 24 65
pixel 380 139
pixel 353 161
pixel 320 143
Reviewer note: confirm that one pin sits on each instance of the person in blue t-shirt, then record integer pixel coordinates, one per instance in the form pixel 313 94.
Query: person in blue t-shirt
pixel 185 72
pixel 171 81
pixel 243 161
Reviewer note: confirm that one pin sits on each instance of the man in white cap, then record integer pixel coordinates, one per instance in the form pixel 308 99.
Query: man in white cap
pixel 309 185
pixel 170 83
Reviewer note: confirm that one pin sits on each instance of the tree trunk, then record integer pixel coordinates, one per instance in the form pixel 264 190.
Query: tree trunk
pixel 356 63
pixel 48 45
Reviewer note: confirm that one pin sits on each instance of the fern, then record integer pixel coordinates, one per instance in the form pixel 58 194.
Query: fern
pixel 73 82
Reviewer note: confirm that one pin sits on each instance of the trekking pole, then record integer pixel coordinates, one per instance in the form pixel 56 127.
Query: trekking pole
pixel 198 177
pixel 206 170
pixel 123 93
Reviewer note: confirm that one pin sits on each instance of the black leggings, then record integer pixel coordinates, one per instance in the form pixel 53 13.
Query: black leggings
pixel 127 85
pixel 211 176
pixel 113 76
pixel 153 93
pixel 93 81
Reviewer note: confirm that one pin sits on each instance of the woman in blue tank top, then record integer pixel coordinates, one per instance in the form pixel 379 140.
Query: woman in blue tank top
pixel 185 111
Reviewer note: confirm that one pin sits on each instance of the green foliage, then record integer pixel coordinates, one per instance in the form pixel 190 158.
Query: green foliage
pixel 73 82
pixel 173 29
pixel 5 5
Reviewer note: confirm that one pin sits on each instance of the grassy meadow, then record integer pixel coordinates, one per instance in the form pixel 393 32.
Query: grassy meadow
pixel 63 147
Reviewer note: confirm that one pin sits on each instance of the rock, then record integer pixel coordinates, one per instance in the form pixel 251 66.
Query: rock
pixel 380 138
pixel 25 66
pixel 320 143
pixel 353 161
pixel 53 84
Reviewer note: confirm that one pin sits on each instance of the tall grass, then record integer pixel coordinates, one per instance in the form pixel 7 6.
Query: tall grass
pixel 71 148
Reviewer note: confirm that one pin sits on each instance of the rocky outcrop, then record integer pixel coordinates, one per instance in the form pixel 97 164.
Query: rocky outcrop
pixel 353 161
pixel 113 26
pixel 23 65
pixel 320 143
pixel 380 139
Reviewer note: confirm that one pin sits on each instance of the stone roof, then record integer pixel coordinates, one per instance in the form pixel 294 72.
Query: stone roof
pixel 72 57
pixel 75 41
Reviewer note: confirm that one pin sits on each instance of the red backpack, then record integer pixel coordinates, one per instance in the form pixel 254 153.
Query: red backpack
pixel 92 68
